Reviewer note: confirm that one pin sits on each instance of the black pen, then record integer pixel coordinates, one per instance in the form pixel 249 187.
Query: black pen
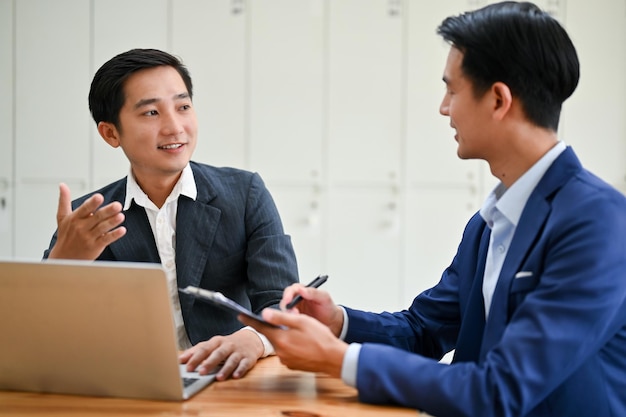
pixel 315 283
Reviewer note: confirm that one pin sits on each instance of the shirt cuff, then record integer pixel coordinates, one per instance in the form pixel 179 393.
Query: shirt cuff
pixel 268 349
pixel 344 329
pixel 350 364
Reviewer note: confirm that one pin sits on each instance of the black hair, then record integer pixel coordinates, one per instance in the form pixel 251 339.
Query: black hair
pixel 522 46
pixel 106 95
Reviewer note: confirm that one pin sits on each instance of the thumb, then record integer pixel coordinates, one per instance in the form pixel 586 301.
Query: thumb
pixel 282 318
pixel 65 202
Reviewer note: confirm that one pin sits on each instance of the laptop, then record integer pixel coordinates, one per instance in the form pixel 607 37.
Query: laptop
pixel 90 328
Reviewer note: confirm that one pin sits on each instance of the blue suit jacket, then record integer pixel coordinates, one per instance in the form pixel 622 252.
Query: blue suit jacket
pixel 555 340
pixel 230 239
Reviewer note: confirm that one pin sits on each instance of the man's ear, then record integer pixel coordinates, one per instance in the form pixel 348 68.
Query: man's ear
pixel 109 133
pixel 503 99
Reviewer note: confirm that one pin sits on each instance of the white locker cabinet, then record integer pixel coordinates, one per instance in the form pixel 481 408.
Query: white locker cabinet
pixel 431 149
pixel 6 128
pixel 211 39
pixel 304 212
pixel 363 246
pixel 594 119
pixel 118 26
pixel 286 70
pixel 51 81
pixel 443 191
pixel 51 123
pixel 286 118
pixel 434 222
pixel 365 90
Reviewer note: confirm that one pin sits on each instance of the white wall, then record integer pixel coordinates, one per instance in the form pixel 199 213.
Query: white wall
pixel 334 103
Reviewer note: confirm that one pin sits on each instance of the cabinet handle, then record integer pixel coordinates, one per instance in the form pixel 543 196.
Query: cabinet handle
pixel 236 7
pixel 394 7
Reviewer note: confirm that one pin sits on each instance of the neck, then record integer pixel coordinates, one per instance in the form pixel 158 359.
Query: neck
pixel 521 153
pixel 158 188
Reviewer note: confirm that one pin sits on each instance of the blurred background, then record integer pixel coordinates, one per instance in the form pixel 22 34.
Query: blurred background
pixel 334 102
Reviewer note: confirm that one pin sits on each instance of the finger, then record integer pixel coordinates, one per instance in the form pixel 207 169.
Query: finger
pixel 185 355
pixel 195 355
pixel 243 367
pixel 101 223
pixel 259 326
pixel 215 358
pixel 65 202
pixel 89 206
pixel 280 320
pixel 230 364
pixel 111 236
pixel 290 293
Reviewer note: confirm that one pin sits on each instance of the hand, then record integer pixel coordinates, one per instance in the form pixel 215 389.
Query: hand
pixel 86 231
pixel 303 343
pixel 237 352
pixel 315 303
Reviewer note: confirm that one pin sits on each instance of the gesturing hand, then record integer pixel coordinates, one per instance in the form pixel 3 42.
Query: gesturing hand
pixel 86 231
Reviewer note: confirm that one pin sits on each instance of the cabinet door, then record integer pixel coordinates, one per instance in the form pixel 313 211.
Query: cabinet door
pixel 118 26
pixel 210 37
pixel 6 128
pixel 51 81
pixel 51 124
pixel 36 216
pixel 431 149
pixel 593 119
pixel 363 247
pixel 286 88
pixel 435 219
pixel 365 90
pixel 303 212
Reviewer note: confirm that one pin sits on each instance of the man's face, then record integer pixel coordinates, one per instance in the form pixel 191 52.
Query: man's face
pixel 158 125
pixel 469 116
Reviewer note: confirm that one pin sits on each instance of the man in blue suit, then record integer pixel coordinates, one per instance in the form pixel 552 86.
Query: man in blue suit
pixel 534 302
pixel 214 228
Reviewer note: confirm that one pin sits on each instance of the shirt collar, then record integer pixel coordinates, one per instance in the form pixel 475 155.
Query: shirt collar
pixel 186 186
pixel 510 202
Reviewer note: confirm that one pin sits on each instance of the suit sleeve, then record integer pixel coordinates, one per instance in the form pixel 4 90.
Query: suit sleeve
pixel 270 258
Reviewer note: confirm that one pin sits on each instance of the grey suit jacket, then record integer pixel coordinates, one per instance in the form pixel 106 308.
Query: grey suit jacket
pixel 230 239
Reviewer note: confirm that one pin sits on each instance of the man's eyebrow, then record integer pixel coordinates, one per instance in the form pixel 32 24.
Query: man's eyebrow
pixel 148 101
pixel 145 102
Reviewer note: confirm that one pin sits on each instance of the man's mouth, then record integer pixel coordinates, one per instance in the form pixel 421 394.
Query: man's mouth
pixel 171 146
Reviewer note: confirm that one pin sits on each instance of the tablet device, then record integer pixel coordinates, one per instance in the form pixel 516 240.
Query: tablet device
pixel 220 300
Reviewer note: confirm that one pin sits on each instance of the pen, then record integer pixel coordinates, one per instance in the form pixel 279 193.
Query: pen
pixel 314 284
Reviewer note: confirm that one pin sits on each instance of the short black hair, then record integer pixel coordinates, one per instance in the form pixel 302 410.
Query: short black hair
pixel 106 95
pixel 522 46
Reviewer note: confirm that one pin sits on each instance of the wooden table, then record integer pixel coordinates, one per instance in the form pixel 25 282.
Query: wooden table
pixel 270 389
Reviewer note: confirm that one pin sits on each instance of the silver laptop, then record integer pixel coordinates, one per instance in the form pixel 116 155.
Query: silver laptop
pixel 90 328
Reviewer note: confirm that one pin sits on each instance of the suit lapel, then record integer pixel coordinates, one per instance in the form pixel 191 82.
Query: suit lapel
pixel 534 215
pixel 138 245
pixel 196 226
pixel 470 335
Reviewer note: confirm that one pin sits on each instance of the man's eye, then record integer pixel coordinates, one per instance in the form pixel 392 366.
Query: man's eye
pixel 151 113
pixel 185 107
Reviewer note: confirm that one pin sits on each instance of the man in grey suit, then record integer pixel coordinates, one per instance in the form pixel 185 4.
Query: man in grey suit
pixel 214 228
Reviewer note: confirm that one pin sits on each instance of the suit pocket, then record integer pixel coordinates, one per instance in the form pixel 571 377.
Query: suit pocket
pixel 523 284
pixel 520 287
